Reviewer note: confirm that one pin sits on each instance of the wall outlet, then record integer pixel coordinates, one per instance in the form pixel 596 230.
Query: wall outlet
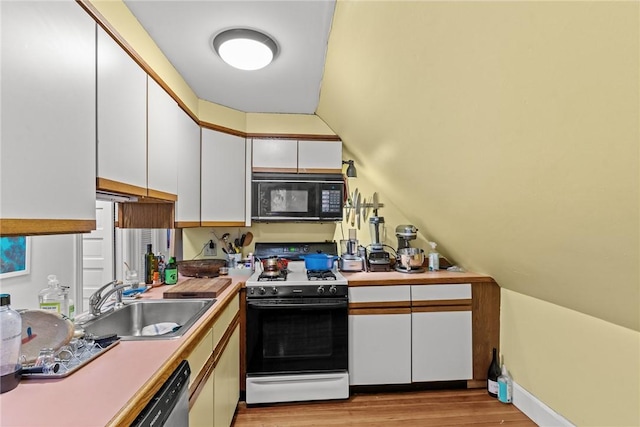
pixel 210 248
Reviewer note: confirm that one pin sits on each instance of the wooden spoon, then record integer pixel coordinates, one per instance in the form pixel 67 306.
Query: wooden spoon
pixel 248 238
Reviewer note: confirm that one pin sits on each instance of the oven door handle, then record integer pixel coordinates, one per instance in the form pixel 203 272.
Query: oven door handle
pixel 266 305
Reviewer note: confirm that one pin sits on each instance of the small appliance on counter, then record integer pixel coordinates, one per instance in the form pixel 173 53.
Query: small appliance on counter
pixel 350 260
pixel 377 259
pixel 409 260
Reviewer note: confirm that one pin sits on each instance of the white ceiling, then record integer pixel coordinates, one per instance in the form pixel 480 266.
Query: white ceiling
pixel 184 30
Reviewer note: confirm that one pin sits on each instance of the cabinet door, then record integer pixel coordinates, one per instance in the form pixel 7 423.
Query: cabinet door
pixel 122 120
pixel 379 349
pixel 188 160
pixel 319 156
pixel 441 346
pixel 202 410
pixel 227 382
pixel 223 179
pixel 275 155
pixel 163 138
pixel 47 167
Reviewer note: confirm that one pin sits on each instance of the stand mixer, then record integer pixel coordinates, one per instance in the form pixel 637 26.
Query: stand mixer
pixel 409 260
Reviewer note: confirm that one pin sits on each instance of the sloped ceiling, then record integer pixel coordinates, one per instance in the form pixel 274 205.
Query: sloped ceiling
pixel 507 132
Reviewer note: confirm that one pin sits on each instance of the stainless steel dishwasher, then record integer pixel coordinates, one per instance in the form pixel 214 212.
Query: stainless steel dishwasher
pixel 170 406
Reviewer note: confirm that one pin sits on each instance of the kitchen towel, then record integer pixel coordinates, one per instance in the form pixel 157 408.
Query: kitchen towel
pixel 159 328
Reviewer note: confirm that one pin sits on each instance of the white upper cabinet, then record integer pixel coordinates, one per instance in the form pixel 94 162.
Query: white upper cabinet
pixel 223 179
pixel 319 156
pixel 164 137
pixel 122 120
pixel 47 165
pixel 292 156
pixel 275 155
pixel 188 161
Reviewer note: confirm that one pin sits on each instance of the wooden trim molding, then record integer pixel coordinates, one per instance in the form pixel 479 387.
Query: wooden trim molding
pixel 186 224
pixel 365 311
pixel 223 129
pixel 36 226
pixel 120 187
pixel 156 194
pixel 441 302
pixel 435 309
pixel 294 136
pixel 309 170
pixel 222 224
pixel 277 170
pixel 379 304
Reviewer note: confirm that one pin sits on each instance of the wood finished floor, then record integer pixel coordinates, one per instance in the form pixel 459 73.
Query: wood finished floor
pixel 416 409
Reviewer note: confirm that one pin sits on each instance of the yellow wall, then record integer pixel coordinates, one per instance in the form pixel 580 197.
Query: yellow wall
pixel 508 133
pixel 586 369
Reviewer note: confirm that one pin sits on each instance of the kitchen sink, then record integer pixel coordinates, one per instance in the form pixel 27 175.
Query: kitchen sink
pixel 128 322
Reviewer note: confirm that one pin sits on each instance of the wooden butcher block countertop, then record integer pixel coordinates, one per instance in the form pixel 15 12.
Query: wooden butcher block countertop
pixel 388 278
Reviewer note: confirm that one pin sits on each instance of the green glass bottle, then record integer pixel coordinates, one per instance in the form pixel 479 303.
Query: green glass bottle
pixel 171 272
pixel 149 265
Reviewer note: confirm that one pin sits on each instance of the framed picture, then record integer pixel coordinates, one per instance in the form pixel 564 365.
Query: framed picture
pixel 14 256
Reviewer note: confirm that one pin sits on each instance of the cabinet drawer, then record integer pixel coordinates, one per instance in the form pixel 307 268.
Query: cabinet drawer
pixel 379 294
pixel 440 292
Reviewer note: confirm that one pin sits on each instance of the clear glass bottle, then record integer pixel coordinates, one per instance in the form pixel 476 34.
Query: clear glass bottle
pixel 53 297
pixel 11 343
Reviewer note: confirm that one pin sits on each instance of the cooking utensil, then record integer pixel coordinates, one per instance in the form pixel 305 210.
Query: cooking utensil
pixel 274 264
pixel 244 236
pixel 375 204
pixel 47 330
pixel 410 258
pixel 201 267
pixel 365 208
pixel 353 211
pixel 358 210
pixel 248 239
pixel 319 261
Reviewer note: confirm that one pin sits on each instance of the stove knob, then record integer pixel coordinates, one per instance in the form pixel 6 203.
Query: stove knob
pixel 274 290
pixel 333 290
pixel 321 290
pixel 262 290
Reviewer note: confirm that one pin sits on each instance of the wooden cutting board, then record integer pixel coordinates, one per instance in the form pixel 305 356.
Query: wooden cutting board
pixel 198 288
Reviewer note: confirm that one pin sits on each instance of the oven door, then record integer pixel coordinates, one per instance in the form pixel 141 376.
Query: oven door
pixel 297 335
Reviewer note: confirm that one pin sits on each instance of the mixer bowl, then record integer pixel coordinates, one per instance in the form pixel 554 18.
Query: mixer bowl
pixel 410 258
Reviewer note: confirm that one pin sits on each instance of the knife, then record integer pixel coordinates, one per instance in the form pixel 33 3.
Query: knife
pixel 358 214
pixel 375 204
pixel 353 211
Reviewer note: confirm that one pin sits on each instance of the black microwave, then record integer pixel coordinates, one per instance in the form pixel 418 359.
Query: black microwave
pixel 296 197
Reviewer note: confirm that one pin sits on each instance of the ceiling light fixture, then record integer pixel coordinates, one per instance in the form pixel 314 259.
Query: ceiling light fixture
pixel 245 49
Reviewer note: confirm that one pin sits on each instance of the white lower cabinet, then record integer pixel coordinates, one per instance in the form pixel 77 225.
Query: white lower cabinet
pixel 379 335
pixel 441 346
pixel 379 349
pixel 441 332
pixel 404 334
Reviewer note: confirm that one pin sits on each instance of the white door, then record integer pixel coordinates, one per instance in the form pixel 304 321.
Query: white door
pixel 97 253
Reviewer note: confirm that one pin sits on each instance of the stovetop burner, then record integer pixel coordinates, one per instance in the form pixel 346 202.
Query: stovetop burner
pixel 320 275
pixel 273 276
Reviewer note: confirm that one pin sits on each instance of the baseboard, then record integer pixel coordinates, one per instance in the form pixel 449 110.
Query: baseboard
pixel 535 409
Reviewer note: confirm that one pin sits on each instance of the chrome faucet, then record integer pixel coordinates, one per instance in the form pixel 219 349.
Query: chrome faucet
pixel 97 300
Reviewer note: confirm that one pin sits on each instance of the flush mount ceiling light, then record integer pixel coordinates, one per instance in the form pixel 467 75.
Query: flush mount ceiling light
pixel 245 49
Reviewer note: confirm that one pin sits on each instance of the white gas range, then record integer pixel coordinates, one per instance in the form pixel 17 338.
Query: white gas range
pixel 297 328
